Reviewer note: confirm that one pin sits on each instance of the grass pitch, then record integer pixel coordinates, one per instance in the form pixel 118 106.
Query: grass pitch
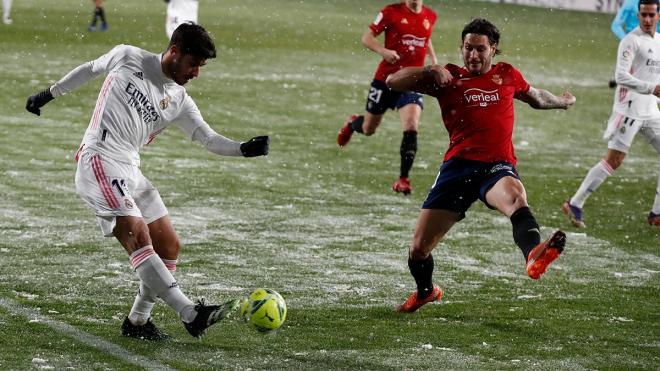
pixel 316 223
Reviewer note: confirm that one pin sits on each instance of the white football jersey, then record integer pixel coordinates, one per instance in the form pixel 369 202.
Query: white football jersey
pixel 637 74
pixel 136 102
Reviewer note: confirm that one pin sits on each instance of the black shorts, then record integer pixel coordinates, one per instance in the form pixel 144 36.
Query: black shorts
pixel 460 182
pixel 381 98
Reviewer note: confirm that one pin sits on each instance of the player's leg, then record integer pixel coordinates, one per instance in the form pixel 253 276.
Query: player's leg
pixel 101 14
pixel 410 113
pixel 379 100
pixel 151 270
pixel 431 227
pixel 6 12
pixel 651 130
pixel 166 245
pixel 507 194
pixel 449 198
pixel 621 131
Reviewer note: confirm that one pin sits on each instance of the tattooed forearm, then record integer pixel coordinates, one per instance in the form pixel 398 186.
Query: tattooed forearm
pixel 543 99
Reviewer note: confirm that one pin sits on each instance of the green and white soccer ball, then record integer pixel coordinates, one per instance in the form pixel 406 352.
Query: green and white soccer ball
pixel 264 310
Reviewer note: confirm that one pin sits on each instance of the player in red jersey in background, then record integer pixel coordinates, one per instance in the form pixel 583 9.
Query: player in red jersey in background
pixel 477 109
pixel 408 26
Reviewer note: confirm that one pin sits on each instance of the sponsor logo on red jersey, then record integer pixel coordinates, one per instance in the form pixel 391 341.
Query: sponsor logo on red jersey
pixel 481 97
pixel 413 40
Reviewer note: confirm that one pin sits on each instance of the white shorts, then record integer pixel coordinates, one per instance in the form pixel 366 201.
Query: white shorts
pixel 621 131
pixel 113 188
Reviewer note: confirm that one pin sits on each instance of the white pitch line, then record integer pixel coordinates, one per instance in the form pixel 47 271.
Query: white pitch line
pixel 88 339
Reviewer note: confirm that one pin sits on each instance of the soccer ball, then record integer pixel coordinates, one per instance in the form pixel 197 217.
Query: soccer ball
pixel 264 310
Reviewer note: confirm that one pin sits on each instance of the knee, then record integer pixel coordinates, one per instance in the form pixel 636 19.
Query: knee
pixel 421 249
pixel 518 199
pixel 134 237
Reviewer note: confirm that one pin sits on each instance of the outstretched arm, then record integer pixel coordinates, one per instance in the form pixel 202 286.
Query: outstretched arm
pixel 72 80
pixel 77 77
pixel 425 80
pixel 543 99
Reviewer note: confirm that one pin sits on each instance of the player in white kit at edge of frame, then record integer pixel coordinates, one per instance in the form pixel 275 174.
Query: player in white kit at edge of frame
pixel 635 109
pixel 180 11
pixel 142 95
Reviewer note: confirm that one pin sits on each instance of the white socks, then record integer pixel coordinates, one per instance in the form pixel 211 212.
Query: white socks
pixel 656 202
pixel 146 299
pixel 595 177
pixel 159 282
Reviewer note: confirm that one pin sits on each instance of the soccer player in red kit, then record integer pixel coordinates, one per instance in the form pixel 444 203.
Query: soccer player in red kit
pixel 477 109
pixel 407 26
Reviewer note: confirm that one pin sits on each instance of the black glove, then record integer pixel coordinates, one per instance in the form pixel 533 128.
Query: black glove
pixel 35 102
pixel 257 146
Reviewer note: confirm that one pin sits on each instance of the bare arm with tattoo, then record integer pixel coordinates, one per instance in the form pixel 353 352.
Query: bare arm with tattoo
pixel 543 99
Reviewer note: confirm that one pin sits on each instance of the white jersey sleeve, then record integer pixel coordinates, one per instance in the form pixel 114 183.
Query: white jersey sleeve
pixel 192 123
pixel 626 55
pixel 88 71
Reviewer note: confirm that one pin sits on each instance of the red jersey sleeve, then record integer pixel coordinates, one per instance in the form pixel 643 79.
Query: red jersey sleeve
pixel 382 21
pixel 521 85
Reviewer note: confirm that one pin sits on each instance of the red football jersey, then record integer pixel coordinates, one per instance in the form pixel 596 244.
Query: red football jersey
pixel 478 112
pixel 406 32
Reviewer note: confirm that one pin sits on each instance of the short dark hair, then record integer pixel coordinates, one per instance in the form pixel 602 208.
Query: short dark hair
pixel 648 2
pixel 191 38
pixel 482 26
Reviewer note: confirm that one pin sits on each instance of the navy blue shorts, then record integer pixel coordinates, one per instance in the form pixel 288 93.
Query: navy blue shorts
pixel 381 98
pixel 460 182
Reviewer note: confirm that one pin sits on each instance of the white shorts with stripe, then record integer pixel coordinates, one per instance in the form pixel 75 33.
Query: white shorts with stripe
pixel 621 132
pixel 112 188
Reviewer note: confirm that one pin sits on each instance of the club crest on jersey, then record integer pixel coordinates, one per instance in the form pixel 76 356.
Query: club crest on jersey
pixel 426 23
pixel 497 79
pixel 128 203
pixel 481 97
pixel 404 21
pixel 139 75
pixel 165 103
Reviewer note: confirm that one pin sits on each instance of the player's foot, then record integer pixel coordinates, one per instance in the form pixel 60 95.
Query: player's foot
pixel 573 213
pixel 402 185
pixel 545 253
pixel 345 133
pixel 612 84
pixel 104 27
pixel 654 219
pixel 7 21
pixel 413 302
pixel 208 315
pixel 148 331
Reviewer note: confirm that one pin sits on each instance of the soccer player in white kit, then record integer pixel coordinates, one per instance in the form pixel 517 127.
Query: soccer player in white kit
pixel 635 109
pixel 142 95
pixel 180 11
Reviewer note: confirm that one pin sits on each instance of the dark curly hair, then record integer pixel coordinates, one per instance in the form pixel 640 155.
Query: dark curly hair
pixel 193 39
pixel 482 26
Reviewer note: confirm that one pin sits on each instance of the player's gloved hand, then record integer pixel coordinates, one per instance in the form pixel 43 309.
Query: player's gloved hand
pixel 257 146
pixel 35 102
